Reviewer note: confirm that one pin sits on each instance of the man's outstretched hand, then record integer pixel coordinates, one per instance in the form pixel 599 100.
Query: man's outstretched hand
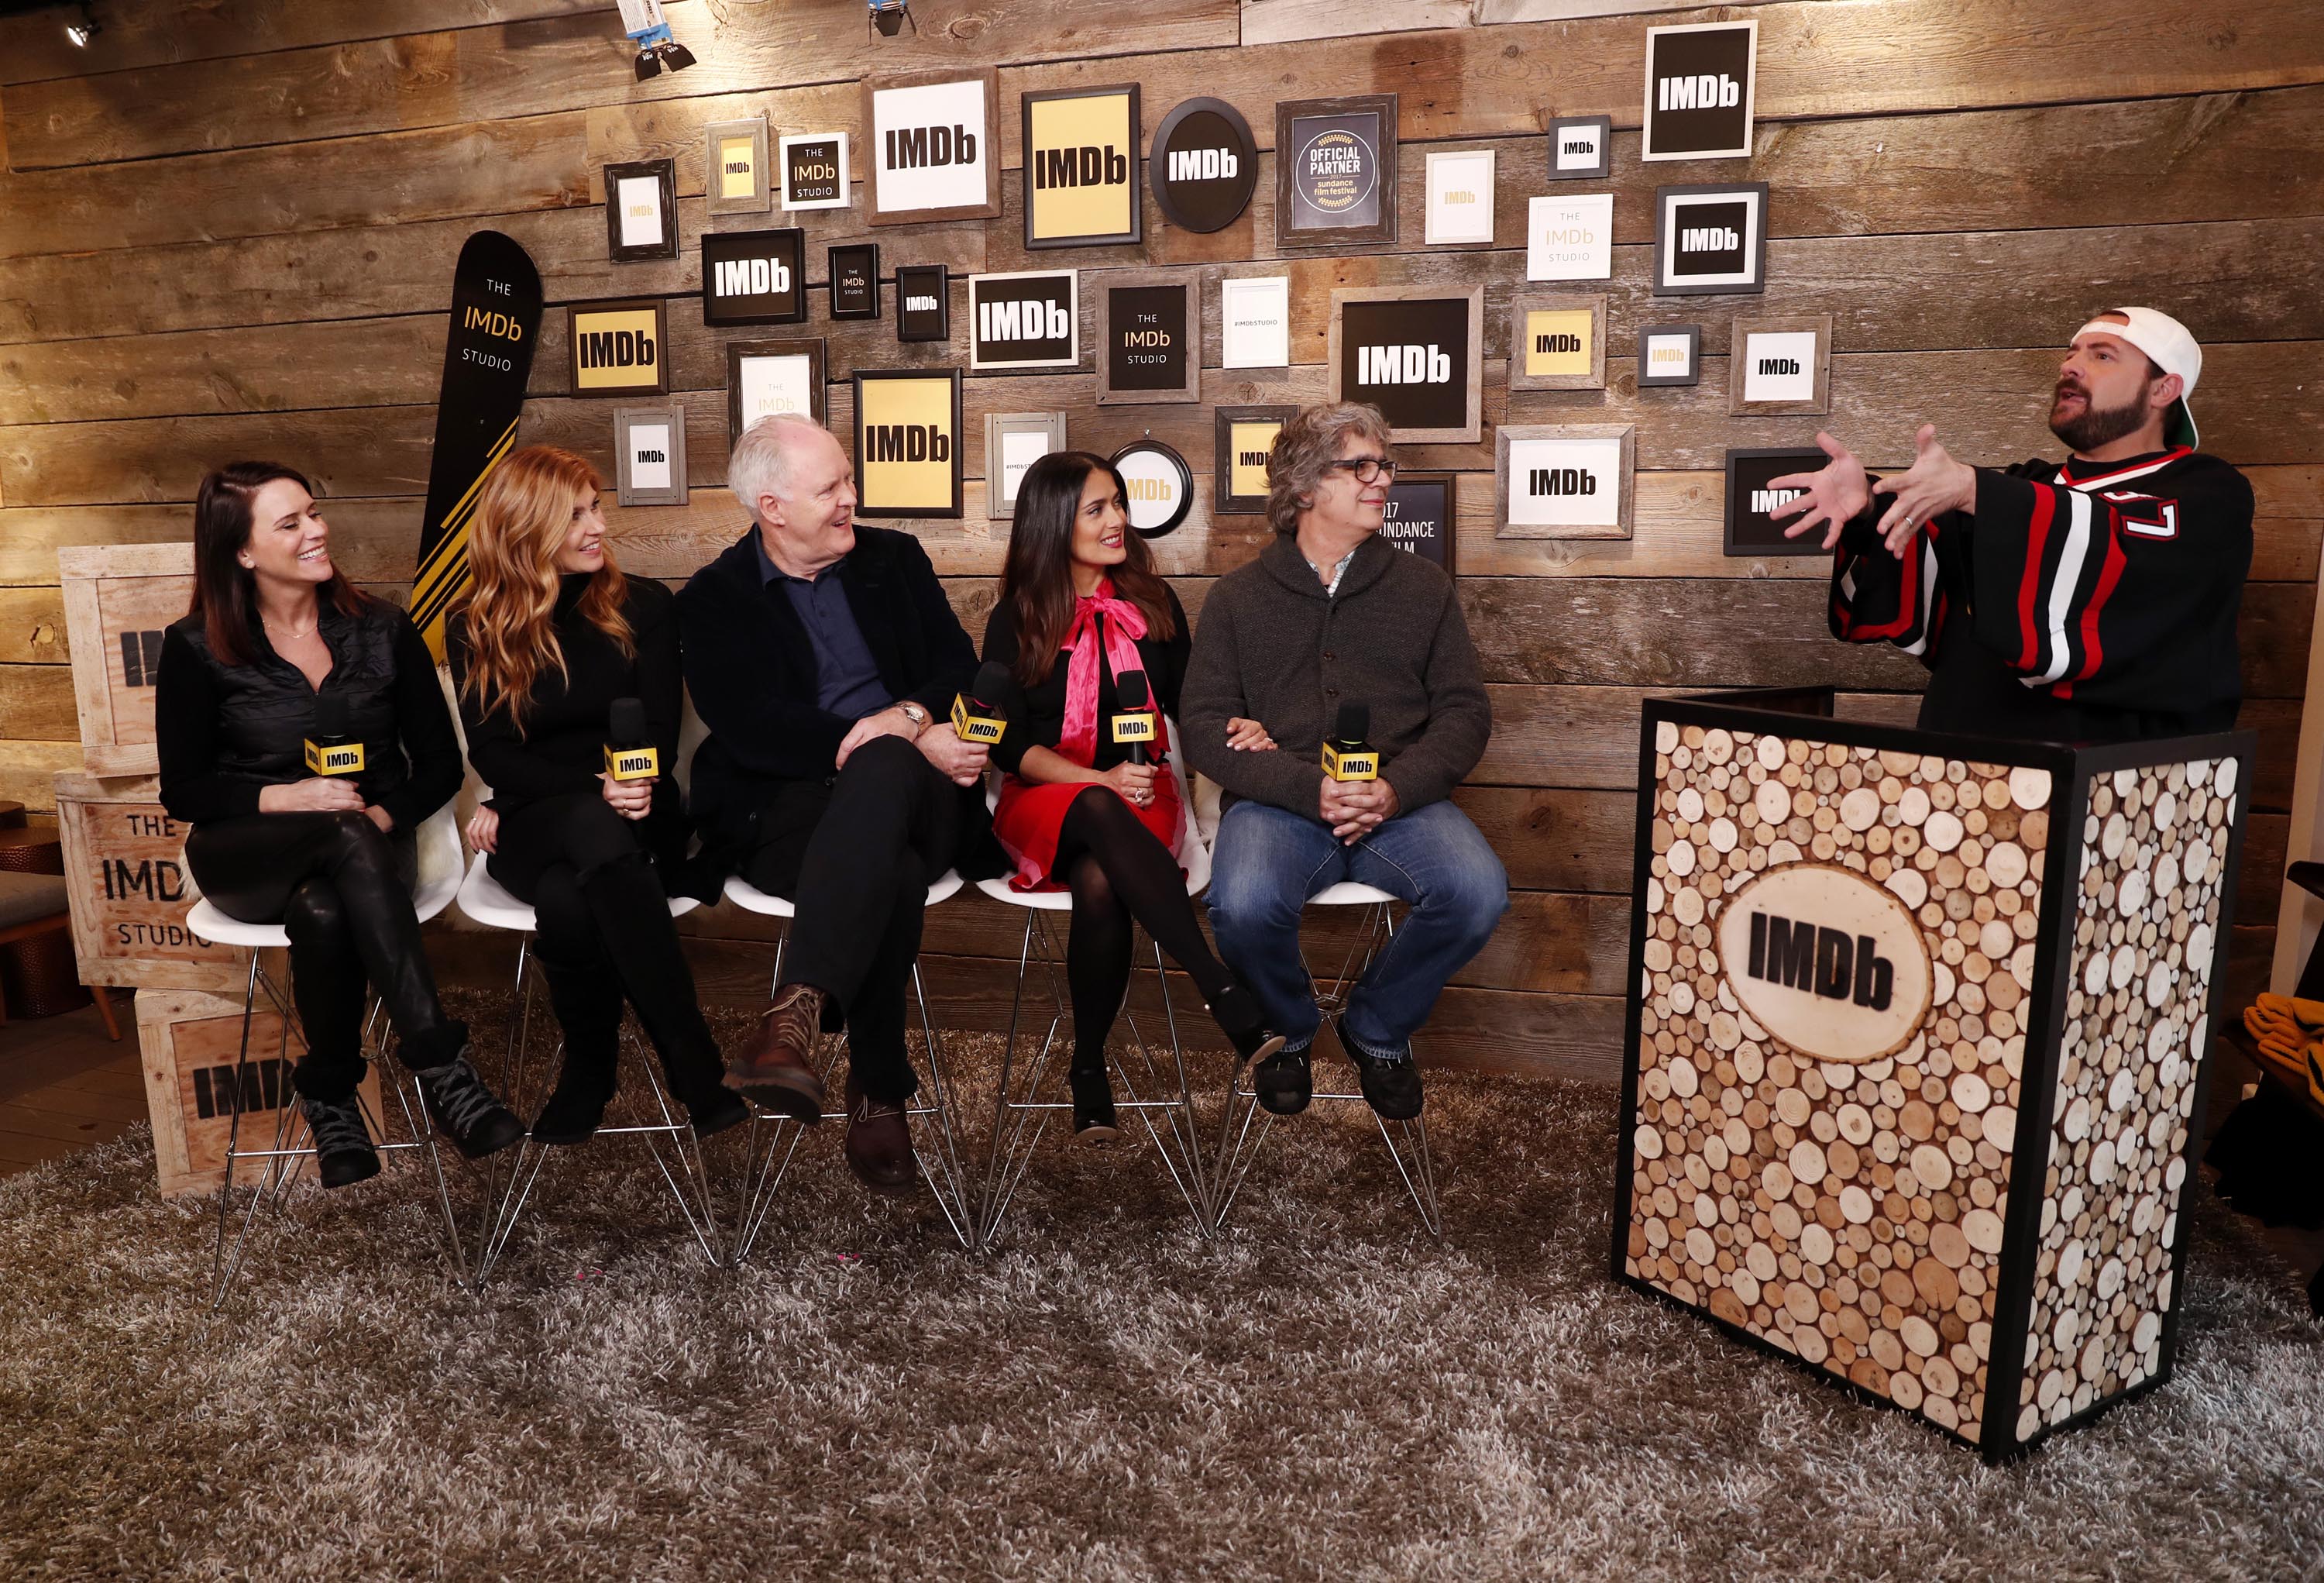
pixel 1934 484
pixel 1830 497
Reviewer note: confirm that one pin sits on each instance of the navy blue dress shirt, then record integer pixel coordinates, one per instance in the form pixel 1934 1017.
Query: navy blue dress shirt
pixel 846 677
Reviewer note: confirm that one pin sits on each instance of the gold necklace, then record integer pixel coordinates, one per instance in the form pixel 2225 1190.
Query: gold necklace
pixel 288 631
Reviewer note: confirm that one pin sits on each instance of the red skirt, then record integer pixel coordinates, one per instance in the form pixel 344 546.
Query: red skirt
pixel 1026 817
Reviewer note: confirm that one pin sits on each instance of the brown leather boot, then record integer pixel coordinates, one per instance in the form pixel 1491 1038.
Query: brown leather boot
pixel 878 1142
pixel 772 1070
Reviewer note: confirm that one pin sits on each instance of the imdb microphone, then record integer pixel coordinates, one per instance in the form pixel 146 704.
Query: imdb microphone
pixel 1133 723
pixel 332 748
pixel 630 752
pixel 1347 756
pixel 981 714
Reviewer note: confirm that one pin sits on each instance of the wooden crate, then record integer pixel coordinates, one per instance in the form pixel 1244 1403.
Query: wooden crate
pixel 188 1041
pixel 118 599
pixel 130 890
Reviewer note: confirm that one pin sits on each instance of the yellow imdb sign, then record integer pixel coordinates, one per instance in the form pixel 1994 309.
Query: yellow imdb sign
pixel 1081 167
pixel 1557 341
pixel 738 167
pixel 618 349
pixel 1247 468
pixel 907 460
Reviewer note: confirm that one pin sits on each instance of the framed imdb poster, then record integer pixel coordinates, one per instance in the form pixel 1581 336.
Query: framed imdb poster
pixel 1081 167
pixel 1556 342
pixel 1245 435
pixel 908 447
pixel 735 167
pixel 616 347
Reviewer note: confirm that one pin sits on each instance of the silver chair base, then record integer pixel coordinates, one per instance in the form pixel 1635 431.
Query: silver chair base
pixel 1010 1151
pixel 292 1147
pixel 511 1176
pixel 1407 1141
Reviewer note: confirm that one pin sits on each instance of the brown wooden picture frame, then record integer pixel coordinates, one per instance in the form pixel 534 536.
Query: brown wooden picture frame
pixel 716 133
pixel 1509 434
pixel 664 174
pixel 811 348
pixel 867 504
pixel 1526 302
pixel 1189 285
pixel 1288 112
pixel 1739 366
pixel 1472 429
pixel 1224 501
pixel 986 207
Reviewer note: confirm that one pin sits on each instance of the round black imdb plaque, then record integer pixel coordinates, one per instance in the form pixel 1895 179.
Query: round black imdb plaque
pixel 1205 165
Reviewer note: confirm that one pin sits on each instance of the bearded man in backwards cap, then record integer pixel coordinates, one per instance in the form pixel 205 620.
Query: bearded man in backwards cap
pixel 2091 599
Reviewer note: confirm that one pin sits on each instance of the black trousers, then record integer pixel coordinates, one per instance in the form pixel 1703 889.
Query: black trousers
pixel 855 856
pixel 342 890
pixel 602 932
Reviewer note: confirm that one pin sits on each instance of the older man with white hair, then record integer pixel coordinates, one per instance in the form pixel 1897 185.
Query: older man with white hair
pixel 824 658
pixel 2088 601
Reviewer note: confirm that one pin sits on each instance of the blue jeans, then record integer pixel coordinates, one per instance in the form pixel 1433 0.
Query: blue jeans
pixel 1268 862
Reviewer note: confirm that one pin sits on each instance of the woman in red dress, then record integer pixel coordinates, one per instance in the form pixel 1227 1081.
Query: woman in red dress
pixel 1080 608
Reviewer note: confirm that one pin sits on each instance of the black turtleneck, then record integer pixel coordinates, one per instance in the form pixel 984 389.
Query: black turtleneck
pixel 561 747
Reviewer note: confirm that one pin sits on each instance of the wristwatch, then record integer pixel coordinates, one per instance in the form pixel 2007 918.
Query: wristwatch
pixel 918 716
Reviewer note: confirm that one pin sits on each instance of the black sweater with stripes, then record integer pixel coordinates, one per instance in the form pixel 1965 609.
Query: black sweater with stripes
pixel 2079 602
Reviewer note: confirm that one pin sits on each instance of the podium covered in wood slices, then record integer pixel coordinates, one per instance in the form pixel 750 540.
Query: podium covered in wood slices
pixel 1916 1044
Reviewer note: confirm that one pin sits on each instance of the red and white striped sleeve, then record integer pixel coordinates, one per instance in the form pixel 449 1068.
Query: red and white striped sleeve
pixel 1879 598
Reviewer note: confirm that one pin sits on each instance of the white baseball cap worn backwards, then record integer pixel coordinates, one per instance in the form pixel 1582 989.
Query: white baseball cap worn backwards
pixel 2168 347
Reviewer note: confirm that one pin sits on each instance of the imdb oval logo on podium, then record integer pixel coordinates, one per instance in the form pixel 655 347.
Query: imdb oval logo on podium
pixel 1830 964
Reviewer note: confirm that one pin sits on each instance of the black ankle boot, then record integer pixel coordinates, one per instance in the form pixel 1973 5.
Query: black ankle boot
pixel 1094 1120
pixel 714 1110
pixel 1240 1018
pixel 344 1154
pixel 466 1111
pixel 575 1107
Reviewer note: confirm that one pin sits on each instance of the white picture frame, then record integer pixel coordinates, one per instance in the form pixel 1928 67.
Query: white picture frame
pixel 784 145
pixel 1459 207
pixel 1255 321
pixel 1569 236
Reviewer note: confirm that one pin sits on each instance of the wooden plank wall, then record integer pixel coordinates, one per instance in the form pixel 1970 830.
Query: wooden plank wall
pixel 229 230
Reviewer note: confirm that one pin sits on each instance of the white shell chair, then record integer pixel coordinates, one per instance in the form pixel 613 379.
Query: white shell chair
pixel 1010 1151
pixel 485 901
pixel 438 877
pixel 939 1166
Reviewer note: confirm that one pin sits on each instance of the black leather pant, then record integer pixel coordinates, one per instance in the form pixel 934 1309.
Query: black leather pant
pixel 604 931
pixel 342 890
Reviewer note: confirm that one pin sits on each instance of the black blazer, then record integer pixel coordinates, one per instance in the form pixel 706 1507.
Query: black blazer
pixel 751 672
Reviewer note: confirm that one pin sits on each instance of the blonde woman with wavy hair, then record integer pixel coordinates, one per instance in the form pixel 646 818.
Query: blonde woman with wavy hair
pixel 556 655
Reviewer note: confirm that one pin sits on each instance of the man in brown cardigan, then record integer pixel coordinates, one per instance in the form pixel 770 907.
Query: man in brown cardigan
pixel 1329 615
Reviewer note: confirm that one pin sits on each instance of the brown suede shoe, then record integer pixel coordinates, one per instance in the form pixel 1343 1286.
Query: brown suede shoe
pixel 878 1142
pixel 772 1070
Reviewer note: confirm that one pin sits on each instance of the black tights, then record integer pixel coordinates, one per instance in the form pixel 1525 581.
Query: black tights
pixel 342 890
pixel 1118 872
pixel 603 932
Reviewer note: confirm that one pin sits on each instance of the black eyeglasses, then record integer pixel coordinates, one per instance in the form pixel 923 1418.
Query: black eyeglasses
pixel 1367 469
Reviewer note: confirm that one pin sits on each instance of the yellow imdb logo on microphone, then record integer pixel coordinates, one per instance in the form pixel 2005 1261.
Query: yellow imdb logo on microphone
pixel 1360 765
pixel 632 764
pixel 973 728
pixel 344 758
pixel 1137 728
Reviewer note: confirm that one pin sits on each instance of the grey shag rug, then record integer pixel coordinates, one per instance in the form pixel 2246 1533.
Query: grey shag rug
pixel 1321 1394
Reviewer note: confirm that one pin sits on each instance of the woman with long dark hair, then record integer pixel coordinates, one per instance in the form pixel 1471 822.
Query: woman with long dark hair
pixel 1081 606
pixel 274 632
pixel 552 634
